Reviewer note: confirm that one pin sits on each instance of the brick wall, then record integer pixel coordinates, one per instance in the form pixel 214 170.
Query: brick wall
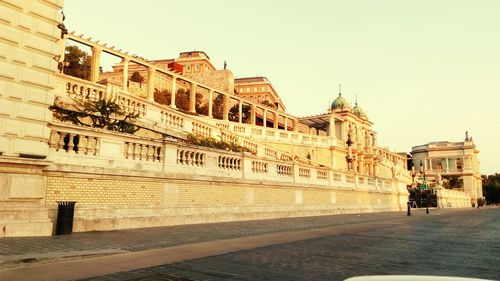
pixel 211 195
pixel 88 191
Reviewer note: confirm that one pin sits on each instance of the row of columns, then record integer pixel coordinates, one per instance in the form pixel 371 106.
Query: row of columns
pixel 94 77
pixel 466 163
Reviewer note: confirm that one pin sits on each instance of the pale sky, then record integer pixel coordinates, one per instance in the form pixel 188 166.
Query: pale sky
pixel 424 70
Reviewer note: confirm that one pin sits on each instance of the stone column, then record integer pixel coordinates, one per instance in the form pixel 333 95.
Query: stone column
pixel 240 111
pixel 296 125
pixel 151 83
pixel 225 107
pixel 94 66
pixel 264 118
pixel 173 92
pixel 192 97
pixel 252 114
pixel 125 75
pixel 286 123
pixel 210 102
pixel 331 126
pixel 276 120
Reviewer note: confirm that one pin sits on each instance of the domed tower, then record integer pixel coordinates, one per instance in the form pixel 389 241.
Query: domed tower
pixel 340 103
pixel 359 111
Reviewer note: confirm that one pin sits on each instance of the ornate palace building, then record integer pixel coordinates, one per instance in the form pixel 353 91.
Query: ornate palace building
pixel 452 164
pixel 198 148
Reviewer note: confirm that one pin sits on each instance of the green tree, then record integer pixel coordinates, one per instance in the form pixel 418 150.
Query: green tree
pixel 103 114
pixel 78 62
pixel 137 77
pixel 491 188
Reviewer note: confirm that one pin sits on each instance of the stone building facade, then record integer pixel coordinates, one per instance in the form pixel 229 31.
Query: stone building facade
pixel 285 166
pixel 452 164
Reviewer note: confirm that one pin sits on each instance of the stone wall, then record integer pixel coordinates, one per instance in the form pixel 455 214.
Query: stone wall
pixel 222 80
pixel 29 45
pixel 110 201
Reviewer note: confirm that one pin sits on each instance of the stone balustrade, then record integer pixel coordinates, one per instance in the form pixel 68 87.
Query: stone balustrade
pixel 143 152
pixel 171 119
pixel 272 134
pixel 74 142
pixel 322 174
pixel 200 129
pixel 164 115
pixel 304 172
pixel 72 145
pixel 259 167
pixel 83 90
pixel 230 163
pixel 190 157
pixel 284 170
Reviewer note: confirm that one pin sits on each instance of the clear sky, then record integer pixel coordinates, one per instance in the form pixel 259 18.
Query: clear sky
pixel 424 70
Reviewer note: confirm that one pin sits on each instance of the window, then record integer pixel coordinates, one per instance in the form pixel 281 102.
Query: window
pixel 255 89
pixel 197 67
pixel 240 90
pixel 188 68
pixel 263 88
pixel 248 89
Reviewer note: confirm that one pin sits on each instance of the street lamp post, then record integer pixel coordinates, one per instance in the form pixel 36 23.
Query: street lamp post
pixel 422 171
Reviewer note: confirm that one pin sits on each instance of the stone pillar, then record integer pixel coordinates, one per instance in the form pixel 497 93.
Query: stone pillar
pixel 264 118
pixel 94 66
pixel 296 125
pixel 252 114
pixel 240 111
pixel 151 83
pixel 173 92
pixel 192 98
pixel 125 75
pixel 225 108
pixel 210 102
pixel 286 123
pixel 276 120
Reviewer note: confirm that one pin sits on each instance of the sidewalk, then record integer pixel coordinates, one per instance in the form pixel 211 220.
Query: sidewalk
pixel 137 248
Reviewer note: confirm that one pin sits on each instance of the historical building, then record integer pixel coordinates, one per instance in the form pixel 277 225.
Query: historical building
pixel 453 165
pixel 258 89
pixel 193 152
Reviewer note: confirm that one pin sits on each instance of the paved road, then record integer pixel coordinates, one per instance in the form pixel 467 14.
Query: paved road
pixel 132 240
pixel 454 243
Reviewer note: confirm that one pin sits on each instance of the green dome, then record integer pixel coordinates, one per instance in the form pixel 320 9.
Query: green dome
pixel 359 111
pixel 340 102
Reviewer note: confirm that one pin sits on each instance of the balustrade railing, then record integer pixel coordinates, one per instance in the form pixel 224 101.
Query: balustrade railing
pixel 172 120
pixel 190 157
pixel 142 152
pixel 304 172
pixel 259 167
pixel 137 150
pixel 271 152
pixel 322 174
pixel 284 170
pixel 84 91
pixel 201 129
pixel 229 163
pixel 74 142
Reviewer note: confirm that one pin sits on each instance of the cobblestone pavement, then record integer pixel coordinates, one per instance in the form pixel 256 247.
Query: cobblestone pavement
pixel 465 243
pixel 161 237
